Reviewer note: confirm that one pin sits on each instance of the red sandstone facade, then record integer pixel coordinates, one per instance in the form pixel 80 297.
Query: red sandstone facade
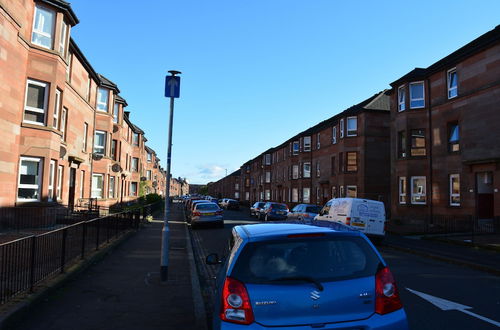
pixel 346 155
pixel 65 134
pixel 445 150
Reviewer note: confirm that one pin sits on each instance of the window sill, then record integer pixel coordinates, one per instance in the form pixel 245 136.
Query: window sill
pixel 41 127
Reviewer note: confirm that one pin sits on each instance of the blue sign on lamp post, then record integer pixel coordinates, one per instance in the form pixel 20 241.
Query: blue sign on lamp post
pixel 172 88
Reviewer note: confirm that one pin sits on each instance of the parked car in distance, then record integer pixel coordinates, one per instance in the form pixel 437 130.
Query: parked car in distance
pixel 304 212
pixel 192 204
pixel 232 204
pixel 273 211
pixel 255 208
pixel 223 202
pixel 365 215
pixel 206 213
pixel 284 276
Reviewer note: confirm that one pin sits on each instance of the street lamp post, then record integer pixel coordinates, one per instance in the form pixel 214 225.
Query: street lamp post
pixel 172 87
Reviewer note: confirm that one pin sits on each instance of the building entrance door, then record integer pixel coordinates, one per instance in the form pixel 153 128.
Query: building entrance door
pixel 484 195
pixel 72 180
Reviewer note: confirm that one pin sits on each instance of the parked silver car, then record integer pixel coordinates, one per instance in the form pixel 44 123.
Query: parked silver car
pixel 305 212
pixel 206 213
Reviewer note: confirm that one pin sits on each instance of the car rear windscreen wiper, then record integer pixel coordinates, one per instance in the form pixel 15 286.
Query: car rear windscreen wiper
pixel 299 278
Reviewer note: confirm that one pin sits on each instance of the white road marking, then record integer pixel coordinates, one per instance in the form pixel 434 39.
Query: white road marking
pixel 447 305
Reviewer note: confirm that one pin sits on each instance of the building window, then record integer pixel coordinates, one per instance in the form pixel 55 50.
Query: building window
pixel 267 159
pixel 402 144
pixel 306 195
pixel 307 143
pixel 149 157
pixel 401 98
pixel 341 191
pixel 334 192
pixel 135 164
pixel 102 99
pixel 237 195
pixel 247 195
pixel 342 128
pixel 85 136
pixel 82 183
pixel 36 102
pixel 43 27
pixel 268 195
pixel 133 188
pixel 100 142
pixel 296 147
pixel 60 173
pixel 417 95
pixel 29 179
pixel 57 106
pixel 318 141
pixel 352 161
pixel 332 164
pixel 455 189
pixel 236 186
pixel 295 171
pixel 334 134
pixel 352 126
pixel 113 149
pixel 97 185
pixel 402 190
pixel 268 177
pixel 307 170
pixel 418 190
pixel 111 187
pixel 452 83
pixel 454 137
pixel 116 110
pixel 352 191
pixel 135 139
pixel 62 40
pixel 318 170
pixel 64 119
pixel 148 175
pixel 417 142
pixel 295 195
pixel 52 167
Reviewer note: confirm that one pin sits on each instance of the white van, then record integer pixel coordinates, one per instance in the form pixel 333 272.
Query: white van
pixel 365 215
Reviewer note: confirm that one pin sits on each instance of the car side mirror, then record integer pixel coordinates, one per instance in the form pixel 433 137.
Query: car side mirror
pixel 213 259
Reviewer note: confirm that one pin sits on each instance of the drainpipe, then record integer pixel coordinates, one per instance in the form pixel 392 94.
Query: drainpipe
pixel 429 114
pixel 92 151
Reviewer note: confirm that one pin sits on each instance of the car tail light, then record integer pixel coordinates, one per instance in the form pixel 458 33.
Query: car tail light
pixel 387 296
pixel 196 214
pixel 218 212
pixel 236 306
pixel 348 221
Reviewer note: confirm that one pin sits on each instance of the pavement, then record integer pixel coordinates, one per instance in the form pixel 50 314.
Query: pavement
pixel 123 290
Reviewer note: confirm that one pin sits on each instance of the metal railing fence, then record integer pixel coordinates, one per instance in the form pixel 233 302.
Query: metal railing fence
pixel 26 262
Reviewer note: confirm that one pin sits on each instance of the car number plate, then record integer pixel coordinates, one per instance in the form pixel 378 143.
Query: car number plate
pixel 358 224
pixel 208 213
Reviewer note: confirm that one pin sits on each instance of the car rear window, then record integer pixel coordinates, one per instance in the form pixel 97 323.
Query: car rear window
pixel 313 209
pixel 324 259
pixel 260 205
pixel 279 206
pixel 206 207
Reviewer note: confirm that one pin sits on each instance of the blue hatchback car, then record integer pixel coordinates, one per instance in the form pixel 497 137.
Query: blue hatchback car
pixel 302 277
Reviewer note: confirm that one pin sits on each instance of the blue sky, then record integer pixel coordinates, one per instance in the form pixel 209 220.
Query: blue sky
pixel 255 73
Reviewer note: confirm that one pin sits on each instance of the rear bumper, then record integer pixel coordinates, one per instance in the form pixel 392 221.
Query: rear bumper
pixel 392 321
pixel 218 218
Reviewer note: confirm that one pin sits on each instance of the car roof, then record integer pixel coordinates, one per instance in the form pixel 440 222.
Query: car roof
pixel 267 231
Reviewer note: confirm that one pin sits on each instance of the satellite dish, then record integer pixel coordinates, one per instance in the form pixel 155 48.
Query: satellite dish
pixel 62 152
pixel 143 178
pixel 97 156
pixel 155 184
pixel 115 128
pixel 116 168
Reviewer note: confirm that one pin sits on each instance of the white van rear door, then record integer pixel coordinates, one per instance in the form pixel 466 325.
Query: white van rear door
pixel 376 219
